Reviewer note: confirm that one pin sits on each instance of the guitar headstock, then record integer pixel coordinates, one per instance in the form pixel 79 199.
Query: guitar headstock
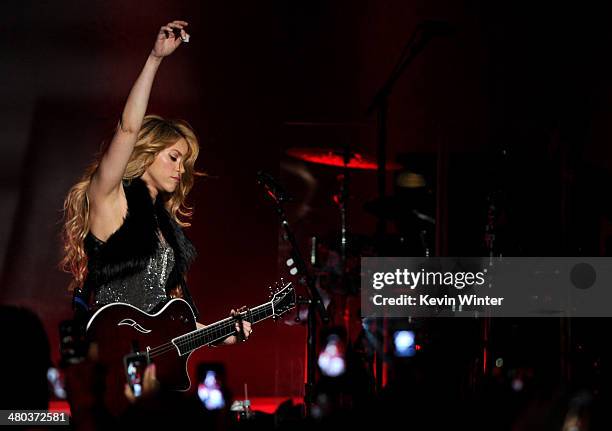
pixel 282 298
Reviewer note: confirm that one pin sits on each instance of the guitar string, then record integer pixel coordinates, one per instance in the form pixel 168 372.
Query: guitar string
pixel 167 347
pixel 163 348
pixel 170 347
pixel 265 308
pixel 202 333
pixel 195 335
pixel 230 322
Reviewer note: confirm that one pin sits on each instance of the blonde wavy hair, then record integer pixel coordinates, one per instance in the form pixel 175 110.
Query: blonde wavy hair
pixel 155 135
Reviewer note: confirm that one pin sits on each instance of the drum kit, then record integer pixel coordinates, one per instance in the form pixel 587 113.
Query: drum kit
pixel 335 262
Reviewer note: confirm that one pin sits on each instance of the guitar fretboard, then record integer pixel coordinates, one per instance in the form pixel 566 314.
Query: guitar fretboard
pixel 222 329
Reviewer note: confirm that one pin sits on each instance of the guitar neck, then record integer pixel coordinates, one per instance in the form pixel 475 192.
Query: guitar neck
pixel 222 329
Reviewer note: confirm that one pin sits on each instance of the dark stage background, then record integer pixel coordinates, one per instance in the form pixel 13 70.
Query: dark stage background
pixel 517 101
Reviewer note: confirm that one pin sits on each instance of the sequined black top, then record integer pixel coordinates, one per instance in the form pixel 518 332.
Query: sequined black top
pixel 144 262
pixel 145 289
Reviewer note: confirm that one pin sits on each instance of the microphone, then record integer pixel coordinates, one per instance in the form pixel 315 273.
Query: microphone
pixel 273 188
pixel 437 28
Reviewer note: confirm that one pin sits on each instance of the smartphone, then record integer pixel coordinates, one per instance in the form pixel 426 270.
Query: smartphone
pixel 73 344
pixel 55 377
pixel 404 343
pixel 135 365
pixel 211 386
pixel 331 358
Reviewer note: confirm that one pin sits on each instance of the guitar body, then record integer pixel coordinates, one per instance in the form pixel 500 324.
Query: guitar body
pixel 119 329
pixel 165 338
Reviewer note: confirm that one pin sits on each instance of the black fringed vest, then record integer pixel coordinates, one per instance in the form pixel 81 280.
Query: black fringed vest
pixel 128 251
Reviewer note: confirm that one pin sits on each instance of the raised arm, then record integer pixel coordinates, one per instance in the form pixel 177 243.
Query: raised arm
pixel 107 179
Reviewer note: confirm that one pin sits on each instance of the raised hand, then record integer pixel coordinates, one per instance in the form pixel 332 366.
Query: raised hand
pixel 167 41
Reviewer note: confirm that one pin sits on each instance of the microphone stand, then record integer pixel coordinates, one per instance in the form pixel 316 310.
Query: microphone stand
pixel 380 103
pixel 315 302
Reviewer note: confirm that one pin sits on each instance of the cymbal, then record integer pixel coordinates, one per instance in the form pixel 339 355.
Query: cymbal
pixel 335 157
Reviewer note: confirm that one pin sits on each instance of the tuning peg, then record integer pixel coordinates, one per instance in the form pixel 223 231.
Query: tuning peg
pixel 290 264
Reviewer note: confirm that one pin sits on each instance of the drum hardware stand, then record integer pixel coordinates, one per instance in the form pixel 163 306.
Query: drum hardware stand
pixel 315 303
pixel 493 210
pixel 341 199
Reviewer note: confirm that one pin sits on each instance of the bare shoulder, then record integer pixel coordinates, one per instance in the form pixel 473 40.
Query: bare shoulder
pixel 106 211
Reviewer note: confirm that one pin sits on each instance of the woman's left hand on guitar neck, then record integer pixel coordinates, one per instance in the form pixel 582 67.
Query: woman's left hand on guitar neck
pixel 243 328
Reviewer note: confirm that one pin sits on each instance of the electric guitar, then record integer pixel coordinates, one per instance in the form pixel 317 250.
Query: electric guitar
pixel 166 338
